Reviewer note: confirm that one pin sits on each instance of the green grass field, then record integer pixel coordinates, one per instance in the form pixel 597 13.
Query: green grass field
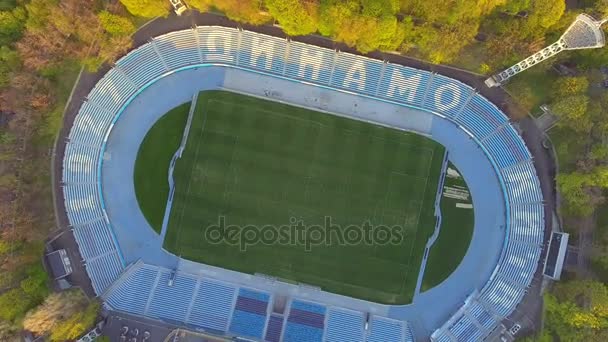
pixel 257 162
pixel 153 157
pixel 456 231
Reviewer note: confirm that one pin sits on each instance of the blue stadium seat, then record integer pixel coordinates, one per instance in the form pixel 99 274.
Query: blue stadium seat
pixel 309 64
pixel 344 325
pixel 446 95
pixel 384 329
pixel 171 303
pixel 262 52
pixel 179 48
pixel 138 72
pixel 274 330
pixel 212 305
pixel 403 84
pixel 355 73
pixel 132 291
pixel 217 44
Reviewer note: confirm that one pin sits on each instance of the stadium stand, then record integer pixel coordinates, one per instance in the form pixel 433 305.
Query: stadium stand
pixel 345 325
pixel 403 84
pixel 384 329
pixel 275 329
pixel 142 289
pixel 212 305
pixel 306 322
pixel 250 313
pixel 446 96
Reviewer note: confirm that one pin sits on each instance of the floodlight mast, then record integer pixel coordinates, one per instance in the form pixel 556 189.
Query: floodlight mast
pixel 584 33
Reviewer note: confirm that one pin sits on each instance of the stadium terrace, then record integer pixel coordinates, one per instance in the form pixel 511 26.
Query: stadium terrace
pixel 360 75
pixel 141 288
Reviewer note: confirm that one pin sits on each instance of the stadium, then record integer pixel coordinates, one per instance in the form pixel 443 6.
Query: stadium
pixel 236 89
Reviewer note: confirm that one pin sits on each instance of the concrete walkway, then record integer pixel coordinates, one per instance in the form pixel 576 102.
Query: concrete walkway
pixel 176 156
pixel 433 238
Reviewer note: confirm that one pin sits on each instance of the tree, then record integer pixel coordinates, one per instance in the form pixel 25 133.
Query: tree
pixel 573 188
pixel 573 112
pixel 9 62
pixel 76 325
pixel 13 304
pixel 296 17
pixel 147 8
pixel 37 13
pixel 116 25
pixel 578 311
pixel 600 7
pixel 545 13
pixel 568 86
pixel 63 315
pixel 11 25
pixel 245 11
pixel 444 43
pixel 366 24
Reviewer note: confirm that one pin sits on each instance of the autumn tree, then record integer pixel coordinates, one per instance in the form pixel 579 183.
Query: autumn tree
pixel 578 311
pixel 147 8
pixel 11 25
pixel 9 61
pixel 572 104
pixel 245 11
pixel 116 25
pixel 441 44
pixel 569 86
pixel 573 112
pixel 64 315
pixel 366 24
pixel 450 12
pixel 295 16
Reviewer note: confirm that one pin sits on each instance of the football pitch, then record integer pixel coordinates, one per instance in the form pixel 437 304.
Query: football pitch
pixel 254 164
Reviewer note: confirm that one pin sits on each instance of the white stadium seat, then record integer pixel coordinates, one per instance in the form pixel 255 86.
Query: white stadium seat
pixel 142 289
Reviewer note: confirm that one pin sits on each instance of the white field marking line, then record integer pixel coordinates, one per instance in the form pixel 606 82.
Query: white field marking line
pixel 420 211
pixel 198 143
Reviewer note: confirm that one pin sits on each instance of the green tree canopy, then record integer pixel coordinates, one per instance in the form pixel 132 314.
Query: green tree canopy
pixel 573 188
pixel 578 311
pixel 444 43
pixel 568 86
pixel 65 316
pixel 544 14
pixel 147 8
pixel 295 16
pixel 11 25
pixel 37 13
pixel 116 25
pixel 9 62
pixel 573 112
pixel 367 24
